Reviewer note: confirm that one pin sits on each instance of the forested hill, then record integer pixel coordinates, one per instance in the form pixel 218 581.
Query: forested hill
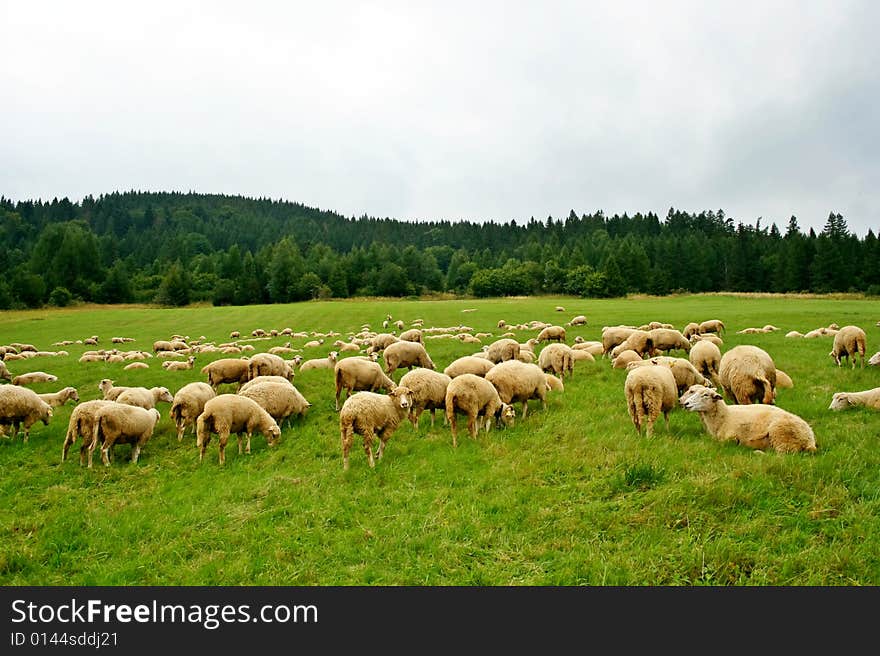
pixel 175 248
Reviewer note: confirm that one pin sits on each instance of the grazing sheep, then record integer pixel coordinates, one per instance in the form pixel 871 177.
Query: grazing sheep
pixel 551 334
pixel 559 308
pixel 110 391
pixel 614 336
pixel 263 379
pixel 477 398
pixel 669 339
pixel 280 400
pixel 20 406
pixel 468 364
pixel 624 358
pixel 867 399
pixel 179 366
pixel 145 398
pixel 118 423
pixel 56 399
pixel 754 426
pixel 554 384
pixel 579 355
pixel 372 415
pixel 320 363
pixel 709 337
pixel 34 377
pixel 406 354
pixel 503 349
pixel 579 320
pixel 187 405
pixel 691 329
pixel 136 365
pixel 649 391
pixel 748 375
pixel 360 375
pixel 82 424
pixel 428 389
pixel 783 379
pixel 712 326
pixel 848 342
pixel 232 413
pixel 593 348
pixel 412 335
pixel 227 370
pixel 639 341
pixel 519 382
pixel 557 359
pixel 875 359
pixel 706 357
pixel 269 364
pixel 683 371
pixel 4 372
pixel 380 342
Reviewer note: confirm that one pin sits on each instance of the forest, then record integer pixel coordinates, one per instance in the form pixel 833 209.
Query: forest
pixel 177 248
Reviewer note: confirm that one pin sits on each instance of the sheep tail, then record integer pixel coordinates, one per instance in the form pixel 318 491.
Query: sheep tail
pixel 769 395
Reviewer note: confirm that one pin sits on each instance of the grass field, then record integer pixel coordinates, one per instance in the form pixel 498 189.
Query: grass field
pixel 569 496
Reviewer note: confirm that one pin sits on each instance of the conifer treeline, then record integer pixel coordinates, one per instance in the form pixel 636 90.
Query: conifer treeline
pixel 175 248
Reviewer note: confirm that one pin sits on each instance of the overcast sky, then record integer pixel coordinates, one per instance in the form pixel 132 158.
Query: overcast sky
pixel 451 110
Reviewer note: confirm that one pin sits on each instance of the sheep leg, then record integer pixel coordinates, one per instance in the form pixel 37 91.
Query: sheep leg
pixel 451 417
pixel 105 452
pixel 347 436
pixel 135 452
pixel 368 446
pixel 247 448
pixel 384 436
pixel 222 439
pixel 525 410
pixel 472 426
pixel 66 447
pixel 202 440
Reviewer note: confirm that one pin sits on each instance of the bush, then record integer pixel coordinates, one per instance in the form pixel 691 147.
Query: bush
pixel 60 297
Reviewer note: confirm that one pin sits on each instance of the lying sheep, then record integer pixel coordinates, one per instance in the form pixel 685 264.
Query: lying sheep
pixel 794 333
pixel 82 424
pixel 372 415
pixel 428 389
pixel 848 342
pixel 280 400
pixel 579 355
pixel 21 407
pixel 783 379
pixel 360 375
pixel 579 320
pixel 406 354
pixel 502 350
pixel 477 398
pixel 179 366
pixel 867 399
pixel 554 384
pixel 468 364
pixel 748 375
pixel 136 365
pixel 557 359
pixel 118 423
pixel 227 370
pixel 668 339
pixel 145 398
pixel 187 405
pixel 519 382
pixel 59 398
pixel 320 363
pixel 4 372
pixel 649 391
pixel 712 326
pixel 232 413
pixel 551 334
pixel 593 348
pixel 754 426
pixel 34 377
pixel 706 357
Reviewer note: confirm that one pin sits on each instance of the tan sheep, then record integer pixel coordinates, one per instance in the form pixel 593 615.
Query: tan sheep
pixel 406 355
pixel 503 349
pixel 118 423
pixel 412 335
pixel 691 329
pixel 557 359
pixel 874 361
pixel 226 414
pixel 794 333
pixel 21 407
pixel 4 372
pixel 110 391
pixel 624 358
pixel 187 405
pixel 848 342
pixel 227 370
pixel 593 348
pixel 372 415
pixel 649 390
pixel 748 375
pixel 263 379
pixel 33 378
pixel 867 399
pixel 706 357
pixel 468 364
pixel 579 355
pixel 709 337
pixel 669 339
pixel 551 334
pixel 281 400
pixel 554 384
pixel 380 342
pixel 145 398
pixel 755 426
pixel 477 398
pixel 320 363
pixel 428 389
pixel 613 336
pixel 712 326
pixel 783 379
pixel 360 375
pixel 683 371
pixel 639 341
pixel 519 382
pixel 59 398
pixel 579 320
pixel 179 366
pixel 136 365
pixel 269 364
pixel 82 424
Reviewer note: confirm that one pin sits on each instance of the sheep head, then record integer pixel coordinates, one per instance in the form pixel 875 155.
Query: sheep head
pixel 840 401
pixel 699 398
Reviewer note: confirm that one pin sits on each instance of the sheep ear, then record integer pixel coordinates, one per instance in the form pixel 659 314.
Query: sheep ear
pixel 716 396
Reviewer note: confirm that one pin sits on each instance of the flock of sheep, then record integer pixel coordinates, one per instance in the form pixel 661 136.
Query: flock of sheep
pixel 247 392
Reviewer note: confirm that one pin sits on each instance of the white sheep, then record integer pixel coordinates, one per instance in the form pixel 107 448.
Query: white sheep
pixel 320 363
pixel 706 357
pixel 612 336
pixel 372 415
pixel 263 379
pixel 110 391
pixel 579 320
pixel 226 414
pixel 477 398
pixel 468 364
pixel 136 365
pixel 406 355
pixel 187 405
pixel 503 349
pixel 849 341
pixel 59 398
pixel 874 361
pixel 755 426
pixel 622 360
pixel 360 375
pixel 269 364
pixel 551 333
pixel 21 407
pixel 668 339
pixel 712 326
pixel 34 377
pixel 428 389
pixel 519 382
pixel 638 340
pixel 748 375
pixel 683 371
pixel 144 397
pixel 118 423
pixel 82 424
pixel 179 366
pixel 227 370
pixel 4 372
pixel 557 359
pixel 867 399
pixel 783 379
pixel 280 400
pixel 649 391
pixel 412 335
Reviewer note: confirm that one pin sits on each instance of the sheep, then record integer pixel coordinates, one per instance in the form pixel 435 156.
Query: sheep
pixel 848 342
pixel 794 333
pixel 875 359
pixel 554 384
pixel 263 379
pixel 669 339
pixel 613 336
pixel 593 348
pixel 82 424
pixel 706 357
pixel 136 365
pixel 639 341
pixel 380 342
pixel 320 363
pixel 748 375
pixel 650 391
pixel 227 370
pixel 518 381
pixel 683 371
pixel 4 372
pixel 179 366
pixel 269 364
pixel 145 398
pixel 503 349
pixel 232 413
pixel 624 358
pixel 406 354
pixel 59 398
pixel 551 333
pixel 712 326
pixel 412 335
pixel 783 379
pixel 162 345
pixel 755 426
pixel 34 377
pixel 559 308
pixel 468 364
pixel 578 355
pixel 20 406
pixel 110 391
pixel 556 359
pixel 691 329
pixel 360 375
pixel 428 389
pixel 372 415
pixel 867 399
pixel 188 403
pixel 280 400
pixel 479 399
pixel 709 337
pixel 579 320
pixel 123 424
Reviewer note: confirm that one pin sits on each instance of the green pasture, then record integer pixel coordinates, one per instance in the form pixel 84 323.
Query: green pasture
pixel 569 496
